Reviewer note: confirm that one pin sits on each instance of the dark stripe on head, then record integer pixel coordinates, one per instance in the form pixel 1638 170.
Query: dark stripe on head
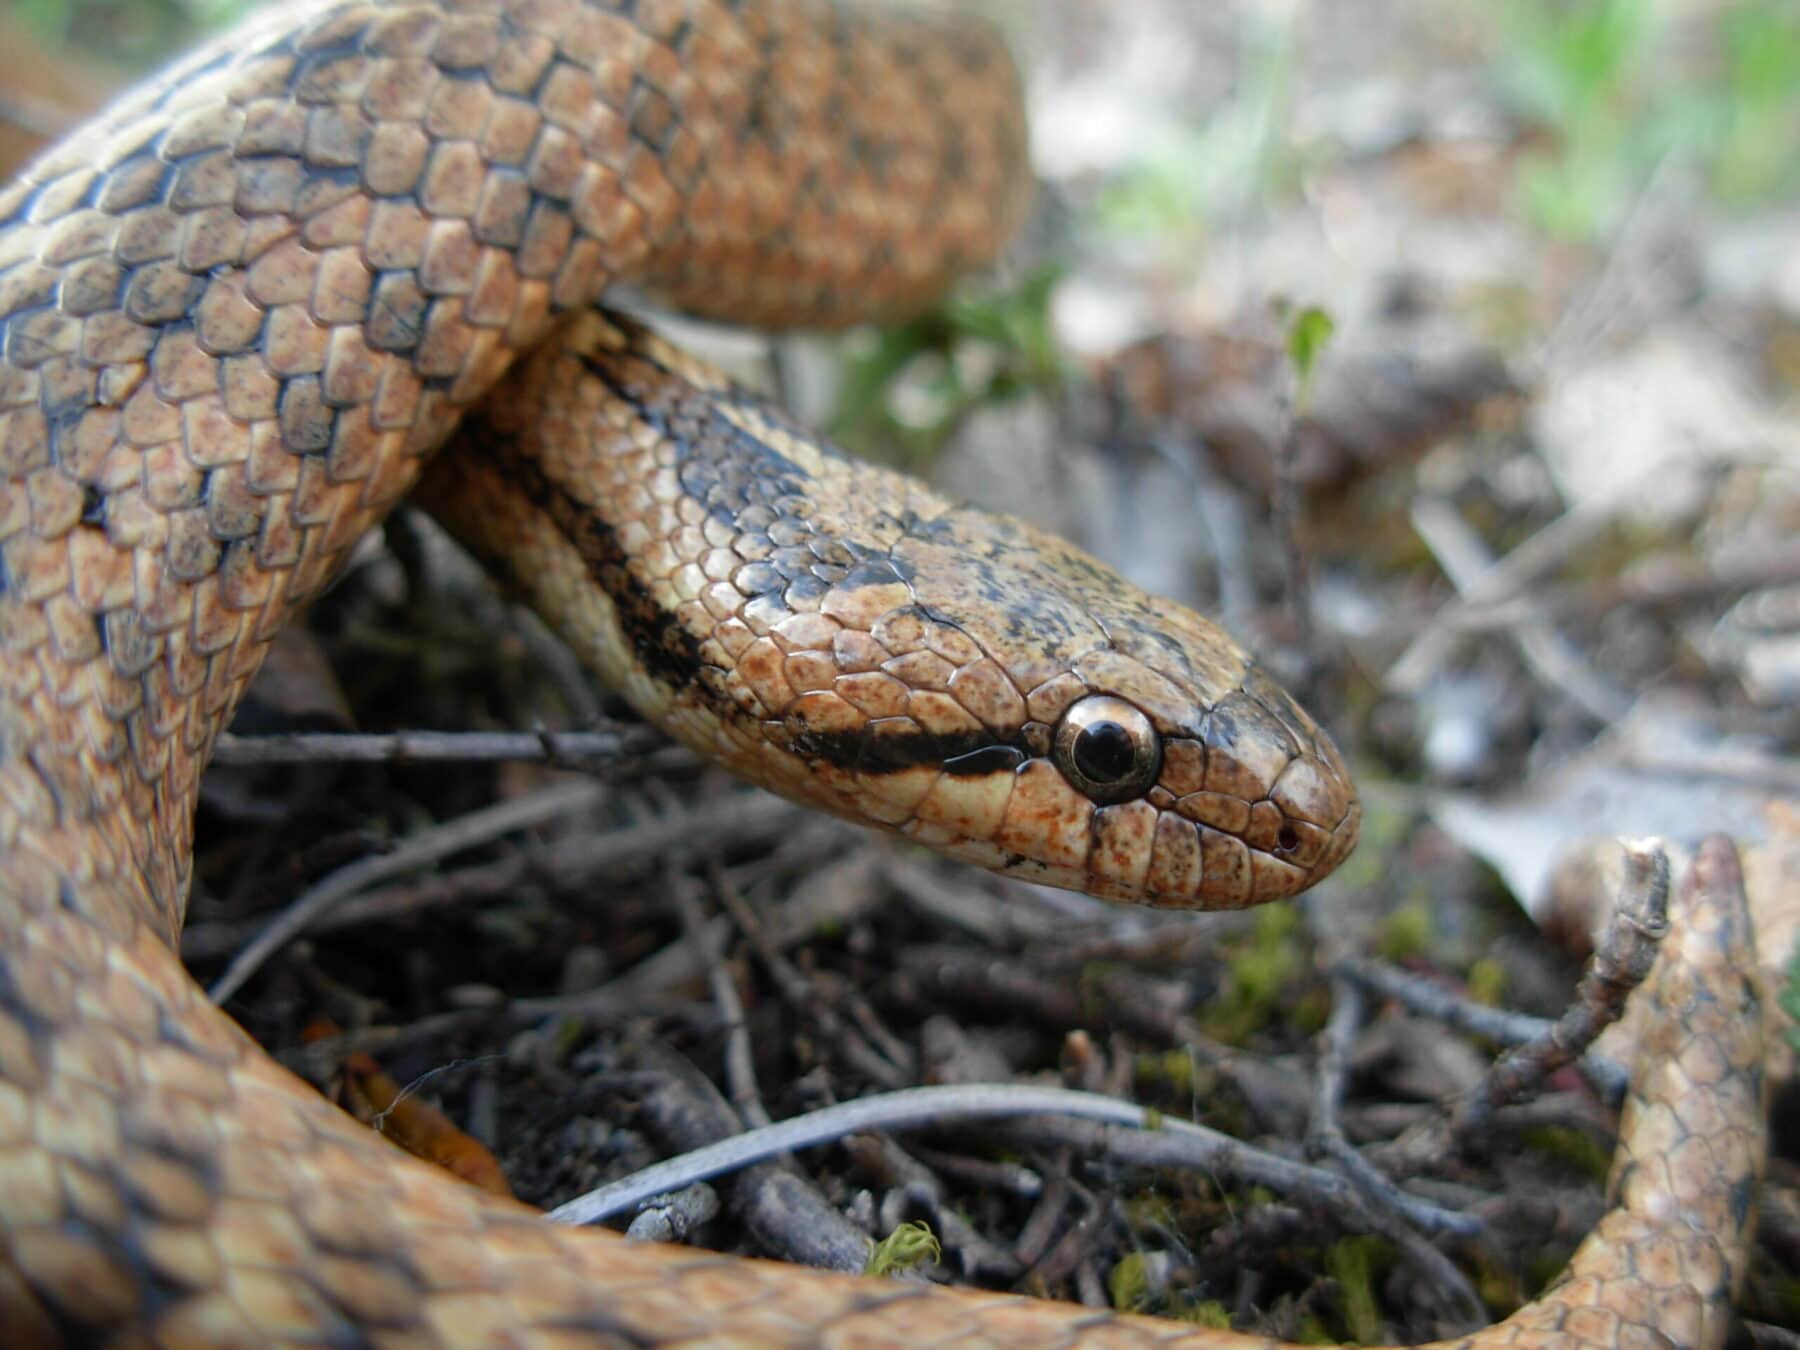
pixel 658 639
pixel 721 465
pixel 964 754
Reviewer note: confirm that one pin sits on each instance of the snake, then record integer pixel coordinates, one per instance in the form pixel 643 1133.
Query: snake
pixel 354 248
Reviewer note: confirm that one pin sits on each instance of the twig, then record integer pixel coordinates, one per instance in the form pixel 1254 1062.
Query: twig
pixel 1767 1336
pixel 1284 511
pixel 1621 960
pixel 1477 1019
pixel 564 749
pixel 1222 517
pixel 723 821
pixel 1764 771
pixel 799 994
pixel 671 1218
pixel 785 1212
pixel 966 906
pixel 954 973
pixel 1465 561
pixel 1232 1160
pixel 1326 1135
pixel 1046 1216
pixel 1148 1139
pixel 429 846
pixel 740 1064
pixel 1074 1245
pixel 1658 583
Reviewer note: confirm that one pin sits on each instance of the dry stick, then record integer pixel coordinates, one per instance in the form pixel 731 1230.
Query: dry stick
pixel 1284 496
pixel 1481 581
pixel 785 1212
pixel 727 819
pixel 740 1064
pixel 1676 583
pixel 797 991
pixel 1222 520
pixel 982 1174
pixel 952 973
pixel 1231 1159
pixel 1466 562
pixel 1326 1135
pixel 1147 1138
pixel 1072 1248
pixel 567 749
pixel 420 850
pixel 1613 297
pixel 1767 1336
pixel 1046 1216
pixel 1765 772
pixel 1619 964
pixel 528 1012
pixel 1421 996
pixel 955 901
pixel 671 1218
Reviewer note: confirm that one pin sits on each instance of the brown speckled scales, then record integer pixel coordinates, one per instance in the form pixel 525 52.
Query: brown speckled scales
pixel 239 313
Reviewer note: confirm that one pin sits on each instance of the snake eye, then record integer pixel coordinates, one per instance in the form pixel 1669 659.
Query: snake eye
pixel 1107 749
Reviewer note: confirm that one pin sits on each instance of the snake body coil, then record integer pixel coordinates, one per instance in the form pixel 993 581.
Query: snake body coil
pixel 242 311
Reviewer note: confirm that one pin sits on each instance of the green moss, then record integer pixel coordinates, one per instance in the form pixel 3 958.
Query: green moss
pixel 1573 1147
pixel 1407 933
pixel 1487 982
pixel 1150 1209
pixel 1355 1263
pixel 1129 1284
pixel 1264 978
pixel 1206 1313
pixel 908 1247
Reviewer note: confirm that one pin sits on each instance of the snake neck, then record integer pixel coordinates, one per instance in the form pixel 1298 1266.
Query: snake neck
pixel 242 309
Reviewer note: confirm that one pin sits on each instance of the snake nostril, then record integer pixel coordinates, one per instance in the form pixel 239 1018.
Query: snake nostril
pixel 1287 840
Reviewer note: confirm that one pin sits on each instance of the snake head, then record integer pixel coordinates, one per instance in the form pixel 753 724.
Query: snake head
pixel 994 693
pixel 1123 777
pixel 848 638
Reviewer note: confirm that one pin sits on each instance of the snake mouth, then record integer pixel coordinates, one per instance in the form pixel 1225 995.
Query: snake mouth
pixel 1205 849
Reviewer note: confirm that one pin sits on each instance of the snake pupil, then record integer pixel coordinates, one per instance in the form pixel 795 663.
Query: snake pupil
pixel 1107 749
pixel 1104 752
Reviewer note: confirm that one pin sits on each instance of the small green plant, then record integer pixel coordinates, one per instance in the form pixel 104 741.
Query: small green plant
pixel 1602 81
pixel 911 387
pixel 1309 331
pixel 906 1248
pixel 1572 70
pixel 133 32
pixel 1758 107
pixel 1407 933
pixel 1239 154
pixel 1128 1285
pixel 1265 977
pixel 1354 1263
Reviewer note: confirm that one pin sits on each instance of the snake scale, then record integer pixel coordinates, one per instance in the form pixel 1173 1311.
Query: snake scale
pixel 241 312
